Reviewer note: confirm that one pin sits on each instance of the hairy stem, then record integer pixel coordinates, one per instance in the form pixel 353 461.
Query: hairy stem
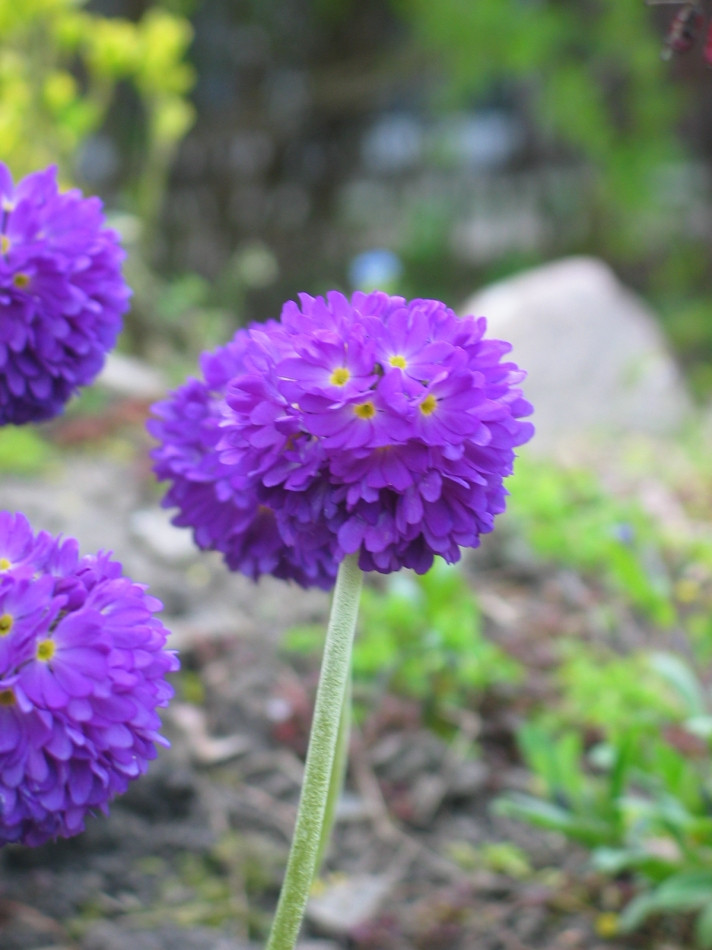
pixel 331 695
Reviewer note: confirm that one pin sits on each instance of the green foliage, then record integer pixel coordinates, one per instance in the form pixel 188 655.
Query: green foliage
pixel 686 891
pixel 501 857
pixel 601 690
pixel 175 319
pixel 422 637
pixel 593 79
pixel 568 518
pixel 23 451
pixel 46 111
pixel 640 799
pixel 585 808
pixel 620 757
pixel 687 319
pixel 589 82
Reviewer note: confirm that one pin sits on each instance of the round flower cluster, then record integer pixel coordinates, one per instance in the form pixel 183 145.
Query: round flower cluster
pixel 82 673
pixel 62 295
pixel 373 425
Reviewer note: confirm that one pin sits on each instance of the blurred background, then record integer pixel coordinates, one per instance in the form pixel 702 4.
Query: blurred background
pixel 252 150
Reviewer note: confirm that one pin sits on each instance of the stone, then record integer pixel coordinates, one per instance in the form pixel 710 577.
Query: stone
pixel 343 902
pixel 153 528
pixel 597 362
pixel 130 377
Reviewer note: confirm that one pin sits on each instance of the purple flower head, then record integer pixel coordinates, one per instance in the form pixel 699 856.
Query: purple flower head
pixel 372 424
pixel 62 295
pixel 82 673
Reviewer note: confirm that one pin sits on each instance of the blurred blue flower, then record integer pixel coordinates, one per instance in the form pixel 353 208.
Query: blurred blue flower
pixel 374 269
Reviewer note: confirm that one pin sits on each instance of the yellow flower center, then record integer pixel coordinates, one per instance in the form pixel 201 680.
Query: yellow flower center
pixel 398 361
pixel 7 697
pixel 6 621
pixel 5 564
pixel 365 410
pixel 21 280
pixel 428 405
pixel 45 650
pixel 4 243
pixel 340 376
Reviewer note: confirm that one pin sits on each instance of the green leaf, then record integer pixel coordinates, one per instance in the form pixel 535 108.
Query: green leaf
pixel 689 888
pixel 611 860
pixel 614 861
pixel 555 759
pixel 539 812
pixel 543 814
pixel 678 675
pixel 639 909
pixel 686 891
pixel 621 767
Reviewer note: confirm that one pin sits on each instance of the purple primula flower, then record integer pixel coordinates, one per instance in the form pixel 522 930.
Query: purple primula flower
pixel 372 424
pixel 62 295
pixel 406 342
pixel 336 369
pixel 82 674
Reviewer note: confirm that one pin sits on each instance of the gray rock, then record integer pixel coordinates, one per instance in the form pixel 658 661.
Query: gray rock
pixel 342 904
pixel 597 362
pixel 152 527
pixel 128 376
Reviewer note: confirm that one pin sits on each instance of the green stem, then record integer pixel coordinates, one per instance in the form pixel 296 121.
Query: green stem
pixel 319 767
pixel 338 771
